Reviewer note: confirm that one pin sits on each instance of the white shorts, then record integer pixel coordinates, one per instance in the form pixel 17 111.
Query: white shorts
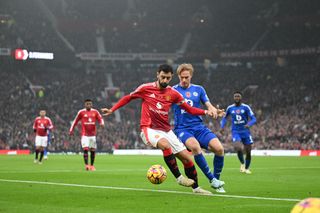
pixel 152 136
pixel 89 141
pixel 41 141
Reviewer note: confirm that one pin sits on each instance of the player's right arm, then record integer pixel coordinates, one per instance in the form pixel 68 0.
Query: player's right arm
pixel 75 122
pixel 35 125
pixel 123 101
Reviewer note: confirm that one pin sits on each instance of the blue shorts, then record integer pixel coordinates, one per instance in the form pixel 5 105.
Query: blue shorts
pixel 244 137
pixel 201 133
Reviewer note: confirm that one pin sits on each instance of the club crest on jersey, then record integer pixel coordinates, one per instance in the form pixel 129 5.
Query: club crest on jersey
pixel 238 111
pixel 159 105
pixel 168 97
pixel 188 94
pixel 195 94
pixel 242 111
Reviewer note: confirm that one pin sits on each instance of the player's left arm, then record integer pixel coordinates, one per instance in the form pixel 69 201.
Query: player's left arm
pixel 253 119
pixel 100 119
pixel 50 125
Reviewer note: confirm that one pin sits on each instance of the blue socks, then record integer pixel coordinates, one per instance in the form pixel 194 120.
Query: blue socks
pixel 202 163
pixel 218 162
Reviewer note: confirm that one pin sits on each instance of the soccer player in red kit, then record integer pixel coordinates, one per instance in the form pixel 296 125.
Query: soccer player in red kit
pixel 157 98
pixel 41 125
pixel 88 117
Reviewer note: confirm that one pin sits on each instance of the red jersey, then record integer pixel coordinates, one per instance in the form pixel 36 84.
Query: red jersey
pixel 41 125
pixel 156 105
pixel 88 120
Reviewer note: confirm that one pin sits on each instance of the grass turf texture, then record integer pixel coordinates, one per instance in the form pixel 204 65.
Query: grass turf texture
pixel 293 178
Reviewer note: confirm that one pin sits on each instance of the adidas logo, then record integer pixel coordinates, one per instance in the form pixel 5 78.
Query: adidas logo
pixel 152 96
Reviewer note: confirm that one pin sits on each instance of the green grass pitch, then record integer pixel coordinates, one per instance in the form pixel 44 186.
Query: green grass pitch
pixel 61 184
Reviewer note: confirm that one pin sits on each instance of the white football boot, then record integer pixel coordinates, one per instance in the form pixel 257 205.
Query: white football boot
pixel 248 172
pixel 200 190
pixel 215 183
pixel 183 181
pixel 242 168
pixel 220 190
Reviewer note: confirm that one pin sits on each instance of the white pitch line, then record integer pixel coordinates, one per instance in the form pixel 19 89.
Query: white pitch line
pixel 128 170
pixel 147 190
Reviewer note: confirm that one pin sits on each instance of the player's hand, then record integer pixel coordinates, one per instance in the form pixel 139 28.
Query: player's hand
pixel 247 126
pixel 212 113
pixel 221 113
pixel 106 111
pixel 71 133
pixel 102 125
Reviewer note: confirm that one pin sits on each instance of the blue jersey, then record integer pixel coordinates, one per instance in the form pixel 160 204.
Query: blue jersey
pixel 194 95
pixel 240 117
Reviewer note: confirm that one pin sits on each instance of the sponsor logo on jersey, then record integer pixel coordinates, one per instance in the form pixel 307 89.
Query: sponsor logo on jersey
pixel 159 105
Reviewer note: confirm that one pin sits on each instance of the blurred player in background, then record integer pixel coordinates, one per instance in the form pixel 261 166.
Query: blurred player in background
pixel 88 117
pixel 157 98
pixel 50 139
pixel 41 125
pixel 240 114
pixel 190 128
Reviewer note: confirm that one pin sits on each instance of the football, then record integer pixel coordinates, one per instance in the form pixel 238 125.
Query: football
pixel 156 174
pixel 308 205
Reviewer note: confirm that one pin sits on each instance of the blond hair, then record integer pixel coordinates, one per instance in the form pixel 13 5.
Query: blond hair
pixel 185 67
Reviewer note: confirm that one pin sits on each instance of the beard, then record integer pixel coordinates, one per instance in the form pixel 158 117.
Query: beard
pixel 163 85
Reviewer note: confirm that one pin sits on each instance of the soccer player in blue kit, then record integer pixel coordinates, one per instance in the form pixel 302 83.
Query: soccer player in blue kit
pixel 240 114
pixel 190 128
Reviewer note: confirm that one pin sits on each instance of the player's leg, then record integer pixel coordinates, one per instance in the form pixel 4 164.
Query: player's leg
pixel 209 141
pixel 247 143
pixel 85 148
pixel 41 154
pixel 216 147
pixel 93 146
pixel 37 147
pixel 195 148
pixel 186 136
pixel 92 158
pixel 247 148
pixel 44 143
pixel 157 139
pixel 190 171
pixel 237 144
pixel 45 154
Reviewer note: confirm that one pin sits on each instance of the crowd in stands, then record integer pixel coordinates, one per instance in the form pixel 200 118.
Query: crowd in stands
pixel 284 99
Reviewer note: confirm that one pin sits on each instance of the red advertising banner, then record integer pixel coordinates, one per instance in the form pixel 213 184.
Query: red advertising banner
pixel 310 153
pixel 14 152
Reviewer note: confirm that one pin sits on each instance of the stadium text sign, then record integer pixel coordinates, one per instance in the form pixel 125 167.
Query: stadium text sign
pixel 23 54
